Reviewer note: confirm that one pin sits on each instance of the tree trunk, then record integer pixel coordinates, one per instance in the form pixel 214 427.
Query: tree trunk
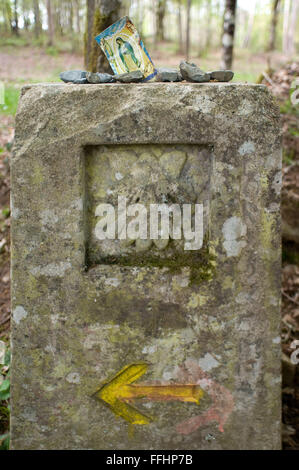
pixel 50 23
pixel 16 19
pixel 37 19
pixel 57 21
pixel 286 21
pixel 247 38
pixel 77 13
pixel 70 17
pixel 228 34
pixel 160 15
pixel 180 27
pixel 9 15
pixel 4 25
pixel 90 5
pixel 100 15
pixel 218 11
pixel 139 17
pixel 292 29
pixel 274 20
pixel 26 13
pixel 26 21
pixel 188 29
pixel 208 24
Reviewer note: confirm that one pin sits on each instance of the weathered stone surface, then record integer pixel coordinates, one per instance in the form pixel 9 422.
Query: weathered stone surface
pixel 99 78
pixel 222 75
pixel 79 316
pixel 77 77
pixel 181 174
pixel 192 73
pixel 168 75
pixel 130 77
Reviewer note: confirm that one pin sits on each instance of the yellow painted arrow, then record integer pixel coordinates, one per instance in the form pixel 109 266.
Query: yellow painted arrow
pixel 119 392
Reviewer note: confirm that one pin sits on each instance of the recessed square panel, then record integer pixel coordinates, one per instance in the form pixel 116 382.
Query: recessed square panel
pixel 145 175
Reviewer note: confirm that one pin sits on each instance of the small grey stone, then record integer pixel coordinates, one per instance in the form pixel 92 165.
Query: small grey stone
pixel 99 77
pixel 192 73
pixel 168 75
pixel 74 76
pixel 80 81
pixel 130 77
pixel 222 75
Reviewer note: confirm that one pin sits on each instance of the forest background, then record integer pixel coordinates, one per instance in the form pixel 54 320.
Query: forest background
pixel 257 39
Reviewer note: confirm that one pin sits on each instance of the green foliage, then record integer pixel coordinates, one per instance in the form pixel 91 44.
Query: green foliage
pixel 288 156
pixel 11 96
pixel 294 132
pixel 4 400
pixel 4 442
pixel 290 255
pixel 6 212
pixel 15 41
pixel 52 50
pixel 5 390
pixel 288 108
pixel 245 76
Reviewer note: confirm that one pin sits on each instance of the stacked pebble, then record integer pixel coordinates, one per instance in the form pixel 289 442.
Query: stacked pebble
pixel 188 71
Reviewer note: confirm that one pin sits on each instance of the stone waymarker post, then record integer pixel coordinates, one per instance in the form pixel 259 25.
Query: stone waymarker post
pixel 146 344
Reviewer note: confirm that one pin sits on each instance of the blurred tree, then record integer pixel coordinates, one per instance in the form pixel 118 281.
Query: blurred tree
pixel 126 6
pixel 208 6
pixel 273 28
pixel 180 27
pixel 26 10
pixel 15 23
pixel 37 19
pixel 77 14
pixel 50 23
pixel 286 21
pixel 140 16
pixel 6 14
pixel 160 16
pixel 90 5
pixel 292 29
pixel 228 34
pixel 219 12
pixel 189 2
pixel 100 15
pixel 56 12
pixel 70 16
pixel 247 38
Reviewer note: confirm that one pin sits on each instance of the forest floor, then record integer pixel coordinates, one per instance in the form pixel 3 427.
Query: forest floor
pixel 25 64
pixel 34 64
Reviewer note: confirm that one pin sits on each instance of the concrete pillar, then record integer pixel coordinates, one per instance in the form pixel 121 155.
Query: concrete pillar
pixel 146 344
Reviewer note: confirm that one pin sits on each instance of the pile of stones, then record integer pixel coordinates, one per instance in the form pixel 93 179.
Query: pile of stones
pixel 188 71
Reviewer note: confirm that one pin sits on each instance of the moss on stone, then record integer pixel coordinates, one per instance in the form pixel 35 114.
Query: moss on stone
pixel 98 26
pixel 201 263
